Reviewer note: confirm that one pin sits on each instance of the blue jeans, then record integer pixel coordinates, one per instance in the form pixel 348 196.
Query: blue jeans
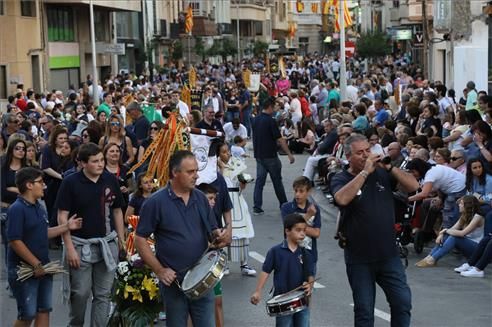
pixel 32 296
pixel 230 115
pixel 246 120
pixel 465 245
pixel 299 319
pixel 272 166
pixel 390 276
pixel 487 211
pixel 450 210
pixel 178 307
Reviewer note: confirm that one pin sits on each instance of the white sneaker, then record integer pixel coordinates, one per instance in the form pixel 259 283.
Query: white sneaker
pixel 226 271
pixel 463 267
pixel 248 271
pixel 472 272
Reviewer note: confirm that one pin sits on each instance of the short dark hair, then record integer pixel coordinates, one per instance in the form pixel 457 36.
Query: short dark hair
pixel 237 139
pixel 26 175
pixel 88 150
pixel 207 188
pixel 293 219
pixel 176 160
pixel 302 181
pixel 419 165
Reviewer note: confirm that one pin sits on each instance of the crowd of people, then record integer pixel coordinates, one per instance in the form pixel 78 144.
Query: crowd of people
pixel 393 127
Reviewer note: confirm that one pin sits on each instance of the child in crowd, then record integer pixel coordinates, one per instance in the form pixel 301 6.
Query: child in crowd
pixel 145 187
pixel 211 194
pixel 290 264
pixel 309 210
pixel 242 227
pixel 28 235
pixel 237 150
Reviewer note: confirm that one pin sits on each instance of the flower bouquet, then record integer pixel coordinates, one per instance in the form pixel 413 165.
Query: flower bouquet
pixel 136 288
pixel 135 293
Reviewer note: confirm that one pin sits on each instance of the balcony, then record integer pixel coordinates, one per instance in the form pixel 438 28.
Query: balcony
pixel 248 10
pixel 114 5
pixel 204 26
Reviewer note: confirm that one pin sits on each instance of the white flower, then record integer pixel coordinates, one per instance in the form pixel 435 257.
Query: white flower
pixel 122 267
pixel 125 278
pixel 134 258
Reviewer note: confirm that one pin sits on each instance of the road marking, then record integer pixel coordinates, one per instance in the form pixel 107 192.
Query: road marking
pixel 258 257
pixel 380 314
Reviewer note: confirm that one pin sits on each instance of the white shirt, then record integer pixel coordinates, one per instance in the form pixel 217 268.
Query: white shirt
pixel 231 133
pixel 352 93
pixel 183 109
pixel 445 179
pixel 295 110
pixel 237 152
pixel 335 66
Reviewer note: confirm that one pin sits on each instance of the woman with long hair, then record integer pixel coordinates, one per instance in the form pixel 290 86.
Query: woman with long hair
pixel 306 140
pixel 31 155
pixel 13 160
pixel 112 157
pixel 479 184
pixel 115 133
pixel 51 164
pixel 145 186
pixel 464 235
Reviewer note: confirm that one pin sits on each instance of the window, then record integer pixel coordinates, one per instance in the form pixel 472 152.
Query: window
pixel 3 82
pixel 258 27
pixel 28 8
pixel 101 21
pixel 60 24
pixel 2 7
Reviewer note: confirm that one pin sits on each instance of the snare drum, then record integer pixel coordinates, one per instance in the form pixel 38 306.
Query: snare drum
pixel 287 304
pixel 204 275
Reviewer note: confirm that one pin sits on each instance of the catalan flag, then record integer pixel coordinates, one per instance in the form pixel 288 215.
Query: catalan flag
pixel 189 20
pixel 314 7
pixel 347 19
pixel 299 6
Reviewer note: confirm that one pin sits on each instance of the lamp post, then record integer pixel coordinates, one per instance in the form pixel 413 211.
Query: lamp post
pixel 95 89
pixel 343 68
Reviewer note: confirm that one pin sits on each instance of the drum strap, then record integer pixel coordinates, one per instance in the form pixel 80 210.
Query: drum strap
pixel 305 271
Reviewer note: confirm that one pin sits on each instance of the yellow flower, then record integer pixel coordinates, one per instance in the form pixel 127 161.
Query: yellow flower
pixel 137 296
pixel 128 289
pixel 149 285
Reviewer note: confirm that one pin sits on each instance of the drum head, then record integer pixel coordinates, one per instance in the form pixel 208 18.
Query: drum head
pixel 281 298
pixel 200 270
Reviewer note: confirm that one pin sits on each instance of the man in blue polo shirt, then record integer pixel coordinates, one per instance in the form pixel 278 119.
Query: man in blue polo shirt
pixel 266 137
pixel 92 251
pixel 182 222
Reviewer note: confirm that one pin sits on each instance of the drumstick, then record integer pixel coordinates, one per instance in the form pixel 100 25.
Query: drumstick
pixel 301 286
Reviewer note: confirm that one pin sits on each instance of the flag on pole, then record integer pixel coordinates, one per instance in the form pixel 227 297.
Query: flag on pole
pixel 189 20
pixel 347 19
pixel 299 6
pixel 325 7
pixel 314 8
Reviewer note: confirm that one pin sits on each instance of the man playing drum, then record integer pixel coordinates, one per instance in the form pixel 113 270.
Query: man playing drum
pixel 181 220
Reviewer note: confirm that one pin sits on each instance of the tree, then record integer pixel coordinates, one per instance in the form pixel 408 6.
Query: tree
pixel 373 45
pixel 228 49
pixel 177 50
pixel 200 48
pixel 260 48
pixel 214 50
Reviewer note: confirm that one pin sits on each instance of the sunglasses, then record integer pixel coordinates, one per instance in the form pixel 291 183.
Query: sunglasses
pixel 85 136
pixel 455 158
pixel 154 128
pixel 115 123
pixel 19 148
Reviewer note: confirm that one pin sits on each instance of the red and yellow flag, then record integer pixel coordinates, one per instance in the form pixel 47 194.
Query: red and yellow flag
pixel 325 7
pixel 299 6
pixel 347 19
pixel 189 20
pixel 314 8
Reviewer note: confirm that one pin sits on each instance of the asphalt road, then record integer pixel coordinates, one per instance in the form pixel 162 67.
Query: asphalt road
pixel 440 297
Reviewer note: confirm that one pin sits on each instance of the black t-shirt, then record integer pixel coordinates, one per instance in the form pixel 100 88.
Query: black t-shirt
pixel 91 201
pixel 141 128
pixel 265 136
pixel 368 221
pixel 8 180
pixel 215 125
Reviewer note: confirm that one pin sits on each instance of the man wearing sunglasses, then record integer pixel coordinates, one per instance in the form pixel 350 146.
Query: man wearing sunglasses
pixel 458 161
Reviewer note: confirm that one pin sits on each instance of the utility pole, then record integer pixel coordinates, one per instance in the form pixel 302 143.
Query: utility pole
pixel 237 31
pixel 95 95
pixel 425 33
pixel 343 68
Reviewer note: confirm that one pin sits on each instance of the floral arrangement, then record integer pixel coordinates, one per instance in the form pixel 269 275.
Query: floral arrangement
pixel 135 291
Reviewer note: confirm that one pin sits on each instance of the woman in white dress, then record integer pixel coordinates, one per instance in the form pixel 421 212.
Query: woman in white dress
pixel 242 227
